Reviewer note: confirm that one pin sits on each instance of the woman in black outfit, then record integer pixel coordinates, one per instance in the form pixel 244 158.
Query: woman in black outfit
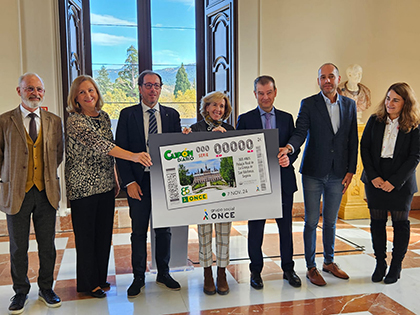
pixel 390 150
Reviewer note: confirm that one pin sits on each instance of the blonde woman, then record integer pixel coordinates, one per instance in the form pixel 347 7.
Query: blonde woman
pixel 91 182
pixel 215 108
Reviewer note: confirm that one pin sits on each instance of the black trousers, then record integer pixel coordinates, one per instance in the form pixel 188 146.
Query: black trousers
pixel 140 216
pixel 93 219
pixel 256 235
pixel 43 214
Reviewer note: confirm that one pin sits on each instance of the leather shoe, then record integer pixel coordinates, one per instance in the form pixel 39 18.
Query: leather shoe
pixel 334 270
pixel 293 278
pixel 168 281
pixel 256 281
pixel 18 303
pixel 105 285
pixel 135 287
pixel 315 277
pixel 49 297
pixel 99 293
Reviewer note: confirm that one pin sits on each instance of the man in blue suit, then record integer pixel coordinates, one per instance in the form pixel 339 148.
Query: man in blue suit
pixel 134 126
pixel 265 116
pixel 328 123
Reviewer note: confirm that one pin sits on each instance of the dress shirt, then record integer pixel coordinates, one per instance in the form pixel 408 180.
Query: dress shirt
pixel 272 120
pixel 334 111
pixel 26 119
pixel 390 137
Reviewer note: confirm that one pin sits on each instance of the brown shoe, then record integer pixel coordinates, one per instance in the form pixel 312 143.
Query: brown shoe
pixel 315 277
pixel 335 270
pixel 222 285
pixel 209 287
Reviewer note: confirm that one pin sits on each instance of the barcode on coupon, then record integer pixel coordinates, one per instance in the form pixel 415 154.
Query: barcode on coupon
pixel 172 182
pixel 261 170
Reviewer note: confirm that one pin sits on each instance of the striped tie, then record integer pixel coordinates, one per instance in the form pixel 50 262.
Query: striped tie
pixel 152 122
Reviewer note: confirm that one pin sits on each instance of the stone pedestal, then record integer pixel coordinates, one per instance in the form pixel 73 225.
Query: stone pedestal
pixel 353 204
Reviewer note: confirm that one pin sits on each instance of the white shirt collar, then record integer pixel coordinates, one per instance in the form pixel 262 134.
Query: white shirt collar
pixel 392 121
pixel 146 108
pixel 328 101
pixel 26 112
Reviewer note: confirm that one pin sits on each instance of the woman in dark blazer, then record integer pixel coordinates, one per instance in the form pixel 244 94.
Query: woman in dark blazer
pixel 390 149
pixel 215 107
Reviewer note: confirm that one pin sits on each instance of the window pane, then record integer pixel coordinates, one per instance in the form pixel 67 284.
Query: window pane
pixel 173 54
pixel 114 53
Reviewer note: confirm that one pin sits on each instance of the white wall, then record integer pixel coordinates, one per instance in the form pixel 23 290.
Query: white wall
pixel 30 43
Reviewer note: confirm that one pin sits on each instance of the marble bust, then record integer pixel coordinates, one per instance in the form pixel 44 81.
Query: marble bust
pixel 353 89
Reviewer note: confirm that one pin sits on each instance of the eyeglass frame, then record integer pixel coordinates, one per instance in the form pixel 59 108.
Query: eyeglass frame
pixel 32 89
pixel 149 85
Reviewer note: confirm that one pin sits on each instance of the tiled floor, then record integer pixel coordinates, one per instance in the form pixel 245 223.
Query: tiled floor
pixel 358 295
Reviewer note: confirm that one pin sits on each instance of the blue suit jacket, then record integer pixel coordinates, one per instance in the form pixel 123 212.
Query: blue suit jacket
pixel 285 126
pixel 130 136
pixel 324 150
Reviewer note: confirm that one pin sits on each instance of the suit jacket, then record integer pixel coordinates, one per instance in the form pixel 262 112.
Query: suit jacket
pixel 285 127
pixel 130 136
pixel 406 156
pixel 324 150
pixel 14 158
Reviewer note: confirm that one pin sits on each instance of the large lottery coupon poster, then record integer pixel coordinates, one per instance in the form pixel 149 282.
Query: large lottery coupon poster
pixel 215 177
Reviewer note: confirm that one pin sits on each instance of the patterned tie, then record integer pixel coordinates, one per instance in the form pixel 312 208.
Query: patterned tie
pixel 32 127
pixel 152 122
pixel 267 120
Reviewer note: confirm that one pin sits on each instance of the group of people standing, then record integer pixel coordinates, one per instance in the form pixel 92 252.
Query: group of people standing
pixel 32 145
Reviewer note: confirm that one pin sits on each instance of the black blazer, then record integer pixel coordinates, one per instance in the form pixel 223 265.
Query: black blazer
pixel 325 150
pixel 406 156
pixel 202 126
pixel 285 127
pixel 130 136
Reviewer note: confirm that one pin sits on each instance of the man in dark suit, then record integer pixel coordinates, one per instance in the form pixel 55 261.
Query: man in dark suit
pixel 134 126
pixel 31 149
pixel 265 116
pixel 328 123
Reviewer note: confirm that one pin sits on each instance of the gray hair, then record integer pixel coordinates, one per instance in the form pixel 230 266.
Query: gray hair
pixel 29 74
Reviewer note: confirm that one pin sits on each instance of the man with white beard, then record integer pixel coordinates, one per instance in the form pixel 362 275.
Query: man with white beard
pixel 31 149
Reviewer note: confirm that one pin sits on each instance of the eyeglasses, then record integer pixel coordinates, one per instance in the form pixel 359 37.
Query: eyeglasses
pixel 157 86
pixel 31 89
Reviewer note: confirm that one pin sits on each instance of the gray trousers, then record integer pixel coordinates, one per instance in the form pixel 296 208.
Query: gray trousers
pixel 43 214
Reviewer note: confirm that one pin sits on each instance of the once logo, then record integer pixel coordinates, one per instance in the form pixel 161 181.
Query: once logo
pixel 222 215
pixel 194 198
